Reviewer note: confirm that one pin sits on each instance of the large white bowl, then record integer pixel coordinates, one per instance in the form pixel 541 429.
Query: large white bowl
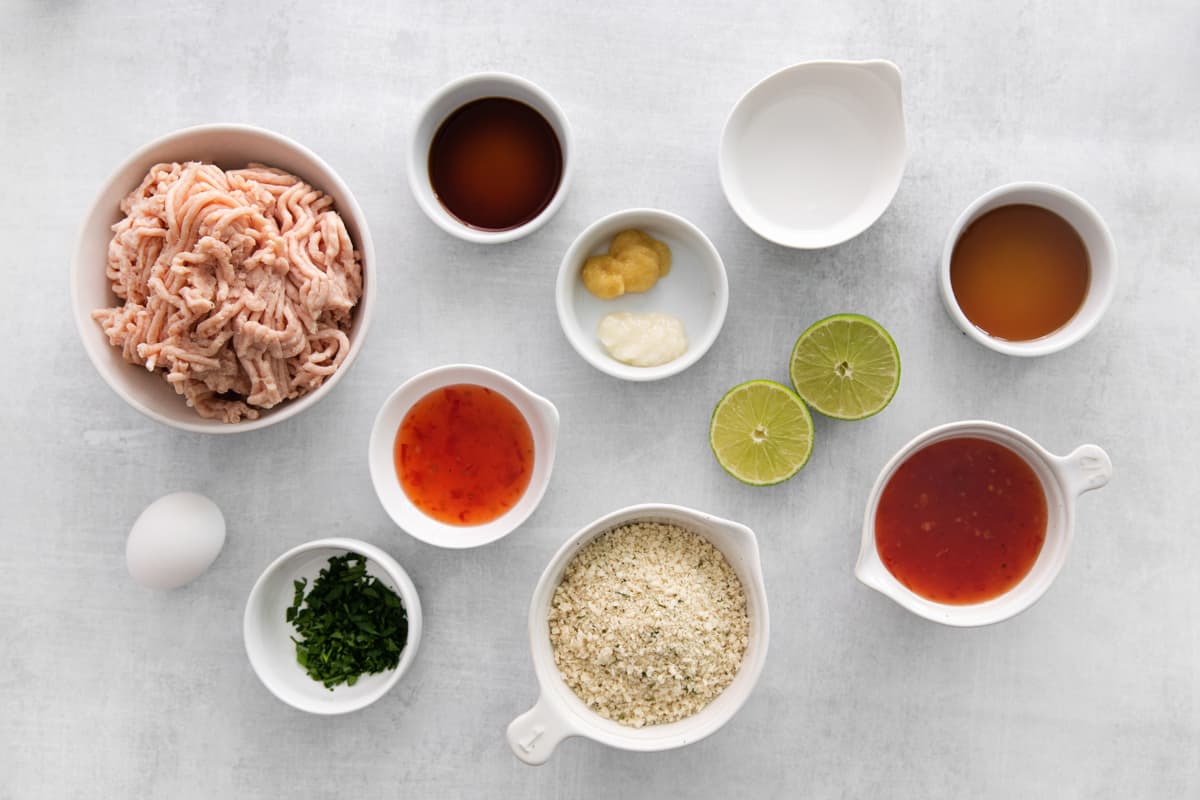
pixel 539 412
pixel 229 147
pixel 267 633
pixel 812 155
pixel 696 290
pixel 559 713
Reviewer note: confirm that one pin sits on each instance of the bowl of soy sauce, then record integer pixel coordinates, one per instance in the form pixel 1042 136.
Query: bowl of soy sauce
pixel 490 157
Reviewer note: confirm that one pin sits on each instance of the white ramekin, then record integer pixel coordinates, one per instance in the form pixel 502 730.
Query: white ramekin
pixel 1102 253
pixel 446 101
pixel 695 291
pixel 267 633
pixel 812 155
pixel 539 412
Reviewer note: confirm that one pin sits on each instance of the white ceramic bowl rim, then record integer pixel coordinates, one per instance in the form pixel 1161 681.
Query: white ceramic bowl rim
pixel 95 343
pixel 569 282
pixel 1102 252
pixel 316 699
pixel 543 421
pixel 1063 479
pixel 453 96
pixel 559 714
pixel 875 200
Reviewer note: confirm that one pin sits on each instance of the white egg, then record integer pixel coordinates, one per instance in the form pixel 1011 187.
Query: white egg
pixel 174 540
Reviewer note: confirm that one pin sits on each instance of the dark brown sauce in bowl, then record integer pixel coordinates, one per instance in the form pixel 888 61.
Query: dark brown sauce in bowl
pixel 495 164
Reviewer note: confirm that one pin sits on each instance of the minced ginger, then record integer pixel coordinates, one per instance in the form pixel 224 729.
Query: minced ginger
pixel 634 263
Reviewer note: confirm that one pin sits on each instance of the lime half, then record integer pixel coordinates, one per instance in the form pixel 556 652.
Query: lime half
pixel 761 433
pixel 846 366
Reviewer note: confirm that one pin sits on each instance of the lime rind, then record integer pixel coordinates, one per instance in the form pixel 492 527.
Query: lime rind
pixel 862 344
pixel 785 440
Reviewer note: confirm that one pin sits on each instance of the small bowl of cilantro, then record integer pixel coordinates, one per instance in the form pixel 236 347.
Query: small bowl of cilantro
pixel 332 625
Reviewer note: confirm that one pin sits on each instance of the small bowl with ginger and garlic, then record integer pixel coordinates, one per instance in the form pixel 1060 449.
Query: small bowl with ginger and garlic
pixel 650 265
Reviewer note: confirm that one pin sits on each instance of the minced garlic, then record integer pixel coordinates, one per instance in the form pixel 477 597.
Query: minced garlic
pixel 642 340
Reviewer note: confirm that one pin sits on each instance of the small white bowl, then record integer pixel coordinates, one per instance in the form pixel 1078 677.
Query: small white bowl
pixel 446 101
pixel 812 155
pixel 539 412
pixel 1102 253
pixel 229 147
pixel 1063 479
pixel 696 290
pixel 267 633
pixel 559 713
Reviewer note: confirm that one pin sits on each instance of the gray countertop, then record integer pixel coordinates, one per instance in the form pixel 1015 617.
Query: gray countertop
pixel 112 690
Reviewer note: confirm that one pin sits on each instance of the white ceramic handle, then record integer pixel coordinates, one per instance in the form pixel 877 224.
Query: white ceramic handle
pixel 869 570
pixel 534 735
pixel 549 412
pixel 746 541
pixel 1086 468
pixel 886 71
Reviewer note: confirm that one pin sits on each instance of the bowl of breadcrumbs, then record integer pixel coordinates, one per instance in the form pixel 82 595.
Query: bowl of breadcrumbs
pixel 649 629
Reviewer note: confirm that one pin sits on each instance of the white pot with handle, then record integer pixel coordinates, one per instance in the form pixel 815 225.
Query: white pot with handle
pixel 559 713
pixel 1063 479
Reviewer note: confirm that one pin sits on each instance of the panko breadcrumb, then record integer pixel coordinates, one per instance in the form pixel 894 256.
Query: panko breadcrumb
pixel 648 624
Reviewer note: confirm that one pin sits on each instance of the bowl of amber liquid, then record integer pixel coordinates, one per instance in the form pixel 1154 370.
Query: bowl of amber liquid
pixel 970 522
pixel 1028 269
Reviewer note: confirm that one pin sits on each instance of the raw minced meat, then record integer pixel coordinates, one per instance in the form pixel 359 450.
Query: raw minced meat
pixel 238 287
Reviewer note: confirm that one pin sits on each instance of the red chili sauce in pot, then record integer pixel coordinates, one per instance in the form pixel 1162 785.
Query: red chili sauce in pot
pixel 961 521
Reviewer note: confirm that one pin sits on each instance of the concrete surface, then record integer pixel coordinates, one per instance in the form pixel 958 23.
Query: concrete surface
pixel 111 690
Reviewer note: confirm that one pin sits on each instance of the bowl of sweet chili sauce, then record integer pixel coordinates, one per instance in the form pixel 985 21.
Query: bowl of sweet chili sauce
pixel 461 455
pixel 970 522
pixel 1028 269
